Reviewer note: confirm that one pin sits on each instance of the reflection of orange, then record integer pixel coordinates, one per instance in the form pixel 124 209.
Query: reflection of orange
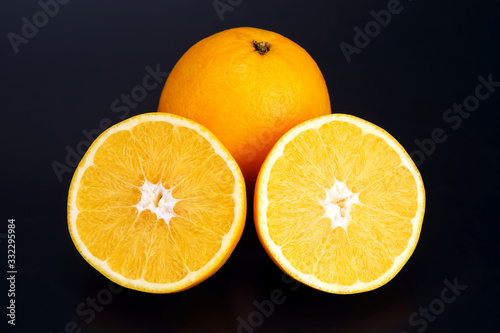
pixel 248 86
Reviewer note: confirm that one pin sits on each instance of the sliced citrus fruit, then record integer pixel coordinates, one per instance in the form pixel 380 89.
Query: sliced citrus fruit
pixel 339 204
pixel 157 203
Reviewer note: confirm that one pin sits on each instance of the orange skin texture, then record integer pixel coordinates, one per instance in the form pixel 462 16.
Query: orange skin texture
pixel 247 99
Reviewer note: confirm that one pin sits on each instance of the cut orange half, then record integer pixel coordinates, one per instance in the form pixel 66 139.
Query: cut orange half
pixel 339 204
pixel 157 203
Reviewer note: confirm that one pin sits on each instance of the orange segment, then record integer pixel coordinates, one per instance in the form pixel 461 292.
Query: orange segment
pixel 337 263
pixel 157 203
pixel 152 147
pixel 117 155
pixel 164 266
pixel 339 204
pixel 101 230
pixel 100 190
pixel 393 232
pixel 375 161
pixel 335 135
pixel 397 193
pixel 129 255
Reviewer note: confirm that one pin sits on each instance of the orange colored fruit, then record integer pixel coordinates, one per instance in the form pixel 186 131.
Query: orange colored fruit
pixel 339 204
pixel 157 203
pixel 248 86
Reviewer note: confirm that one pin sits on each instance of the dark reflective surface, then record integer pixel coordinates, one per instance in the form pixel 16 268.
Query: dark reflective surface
pixel 66 82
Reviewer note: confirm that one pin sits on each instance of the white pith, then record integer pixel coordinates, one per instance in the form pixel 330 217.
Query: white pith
pixel 157 199
pixel 338 204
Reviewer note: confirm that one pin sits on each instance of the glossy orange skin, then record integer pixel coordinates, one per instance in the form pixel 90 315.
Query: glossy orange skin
pixel 247 98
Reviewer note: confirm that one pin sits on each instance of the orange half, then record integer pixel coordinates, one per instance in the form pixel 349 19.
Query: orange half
pixel 339 204
pixel 157 203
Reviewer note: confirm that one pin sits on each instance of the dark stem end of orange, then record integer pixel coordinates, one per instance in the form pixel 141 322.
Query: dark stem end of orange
pixel 261 47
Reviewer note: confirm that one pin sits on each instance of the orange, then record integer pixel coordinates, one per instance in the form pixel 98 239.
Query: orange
pixel 248 86
pixel 339 204
pixel 157 203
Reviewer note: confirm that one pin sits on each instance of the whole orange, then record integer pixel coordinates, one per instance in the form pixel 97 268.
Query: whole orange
pixel 248 86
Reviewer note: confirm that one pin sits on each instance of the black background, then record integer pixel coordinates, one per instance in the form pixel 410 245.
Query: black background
pixel 429 57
